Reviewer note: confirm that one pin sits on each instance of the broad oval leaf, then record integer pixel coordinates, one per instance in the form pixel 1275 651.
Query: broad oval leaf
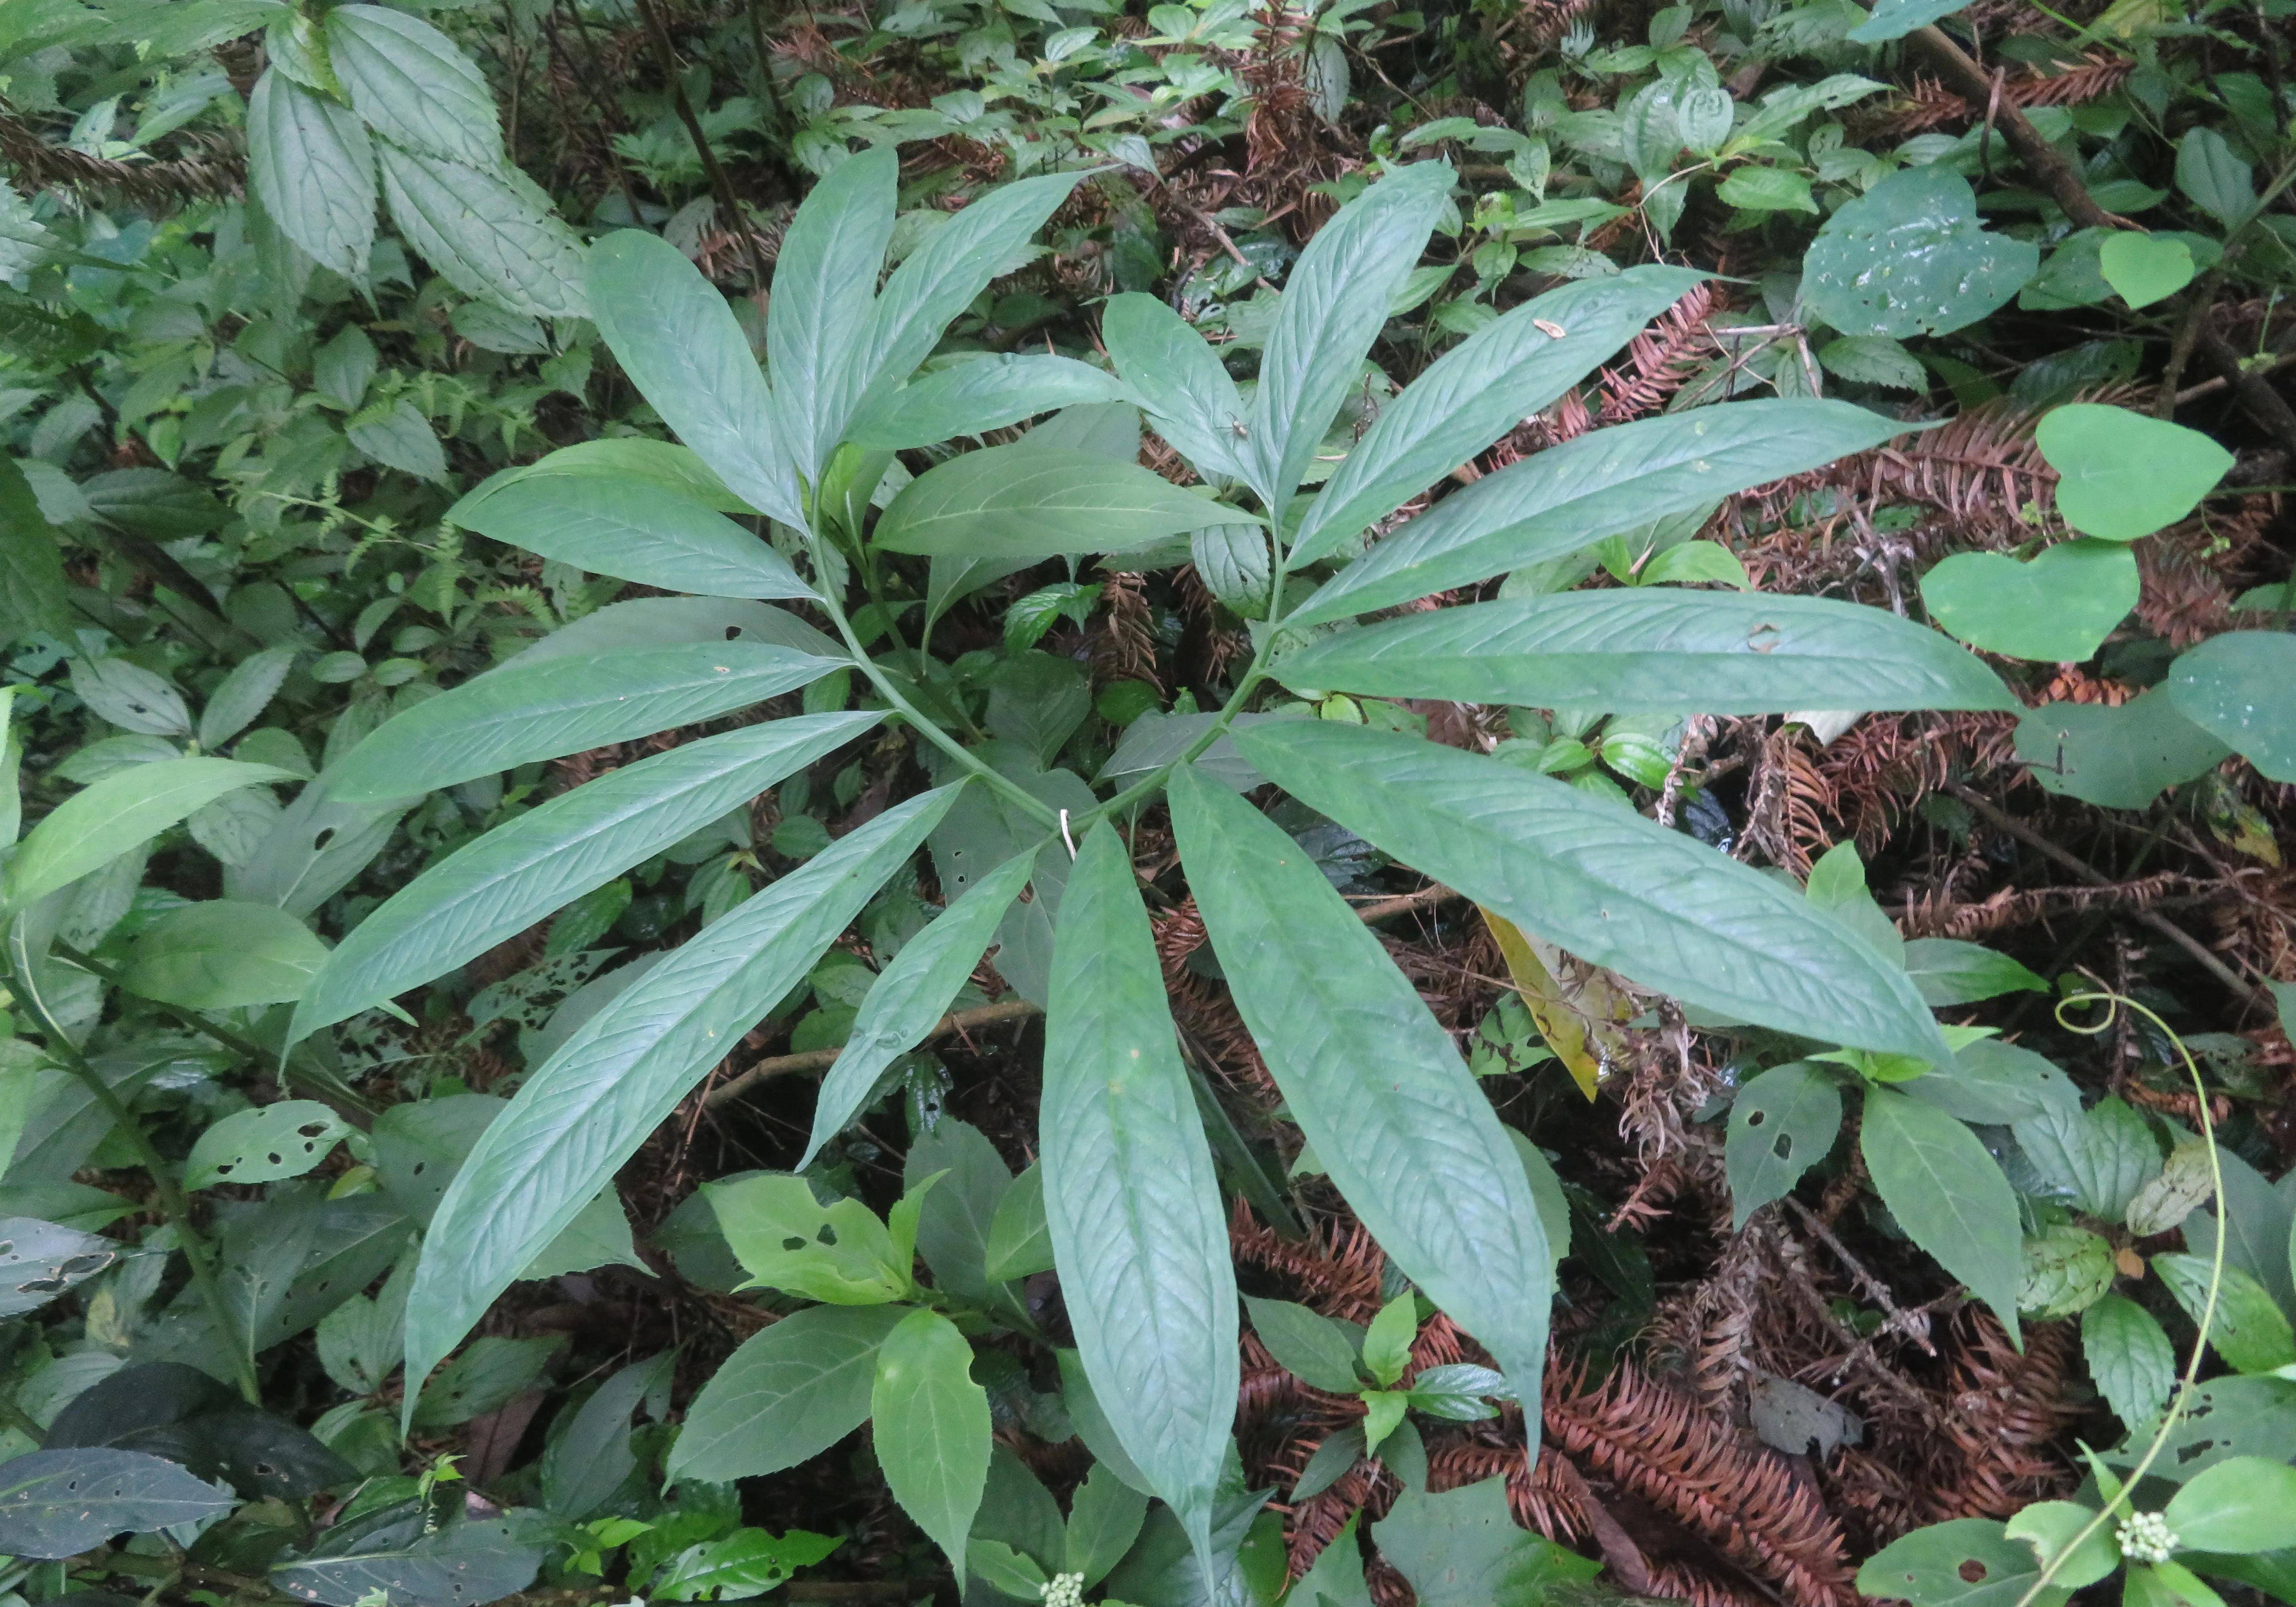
pixel 1602 881
pixel 930 1428
pixel 2241 688
pixel 1335 302
pixel 59 1504
pixel 396 1553
pixel 517 873
pixel 264 1144
pixel 223 954
pixel 1029 501
pixel 113 815
pixel 676 338
pixel 975 395
pixel 312 168
pixel 1572 495
pixel 666 463
pixel 671 622
pixel 1655 652
pixel 825 279
pixel 1138 1234
pixel 633 529
pixel 1371 1076
pixel 2244 1504
pixel 1947 1194
pixel 520 713
pixel 587 1109
pixel 913 993
pixel 1478 391
pixel 786 1396
pixel 1179 379
pixel 2121 474
pixel 1782 1124
pixel 412 86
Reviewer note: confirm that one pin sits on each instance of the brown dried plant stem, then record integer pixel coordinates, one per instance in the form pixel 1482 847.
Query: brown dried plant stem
pixel 665 52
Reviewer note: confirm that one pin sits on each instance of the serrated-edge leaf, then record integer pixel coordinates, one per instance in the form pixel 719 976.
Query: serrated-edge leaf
pixel 589 1107
pixel 312 168
pixel 1138 1234
pixel 1603 883
pixel 519 714
pixel 824 278
pixel 522 871
pixel 676 338
pixel 932 1428
pixel 412 85
pixel 1655 652
pixel 113 815
pixel 487 233
pixel 1572 495
pixel 631 528
pixel 912 993
pixel 1371 1076
pixel 2130 1359
pixel 787 1395
pixel 1948 1195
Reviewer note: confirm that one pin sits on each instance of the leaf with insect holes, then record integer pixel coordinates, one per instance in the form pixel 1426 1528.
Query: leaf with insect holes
pixel 1782 1124
pixel 265 1144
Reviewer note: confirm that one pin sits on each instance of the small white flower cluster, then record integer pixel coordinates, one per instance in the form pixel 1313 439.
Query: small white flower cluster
pixel 2146 1537
pixel 1064 1590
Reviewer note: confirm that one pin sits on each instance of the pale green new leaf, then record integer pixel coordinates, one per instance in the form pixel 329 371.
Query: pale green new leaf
pixel 587 1110
pixel 113 815
pixel 786 1396
pixel 488 234
pixel 676 338
pixel 930 1427
pixel 522 871
pixel 312 167
pixel 976 395
pixel 521 713
pixel 1371 1076
pixel 1947 1194
pixel 1478 391
pixel 633 529
pixel 1179 379
pixel 412 85
pixel 1138 1233
pixel 939 279
pixel 1655 652
pixel 825 279
pixel 1571 496
pixel 1029 501
pixel 1602 881
pixel 913 993
pixel 1335 302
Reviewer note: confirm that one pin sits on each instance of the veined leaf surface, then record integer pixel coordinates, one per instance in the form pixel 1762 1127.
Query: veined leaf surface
pixel 1371 1076
pixel 545 858
pixel 521 713
pixel 112 815
pixel 676 338
pixel 932 1428
pixel 1029 501
pixel 1947 1194
pixel 1481 388
pixel 312 167
pixel 976 395
pixel 1138 1234
pixel 1572 495
pixel 1179 379
pixel 631 527
pixel 786 1396
pixel 825 279
pixel 591 1104
pixel 1657 651
pixel 1603 883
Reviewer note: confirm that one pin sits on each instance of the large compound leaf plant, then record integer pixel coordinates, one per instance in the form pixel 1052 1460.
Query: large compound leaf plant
pixel 1130 1208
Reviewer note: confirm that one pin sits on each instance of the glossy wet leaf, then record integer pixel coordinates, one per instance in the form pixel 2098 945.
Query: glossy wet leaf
pixel 1571 496
pixel 112 815
pixel 2121 474
pixel 1782 1123
pixel 2240 687
pixel 1602 883
pixel 264 1144
pixel 634 529
pixel 521 713
pixel 1138 1232
pixel 2119 757
pixel 1947 1194
pixel 930 1428
pixel 587 1110
pixel 1413 1145
pixel 539 862
pixel 1656 653
pixel 1910 258
pixel 787 1395
pixel 2057 607
pixel 59 1504
pixel 1030 501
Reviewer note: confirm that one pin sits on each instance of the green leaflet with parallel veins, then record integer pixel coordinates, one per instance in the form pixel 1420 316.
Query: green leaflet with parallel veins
pixel 1947 1194
pixel 1654 652
pixel 1478 391
pixel 1139 1233
pixel 627 527
pixel 976 395
pixel 1179 379
pixel 676 338
pixel 1572 495
pixel 930 1427
pixel 489 234
pixel 913 993
pixel 824 278
pixel 576 1119
pixel 1602 881
pixel 521 713
pixel 1027 501
pixel 524 869
pixel 1371 1076
pixel 113 815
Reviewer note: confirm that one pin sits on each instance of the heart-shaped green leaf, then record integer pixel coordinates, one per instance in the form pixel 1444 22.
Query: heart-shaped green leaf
pixel 2144 269
pixel 2122 475
pixel 2241 688
pixel 2119 758
pixel 2055 609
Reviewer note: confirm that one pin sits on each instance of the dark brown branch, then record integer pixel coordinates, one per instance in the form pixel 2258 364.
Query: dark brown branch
pixel 666 57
